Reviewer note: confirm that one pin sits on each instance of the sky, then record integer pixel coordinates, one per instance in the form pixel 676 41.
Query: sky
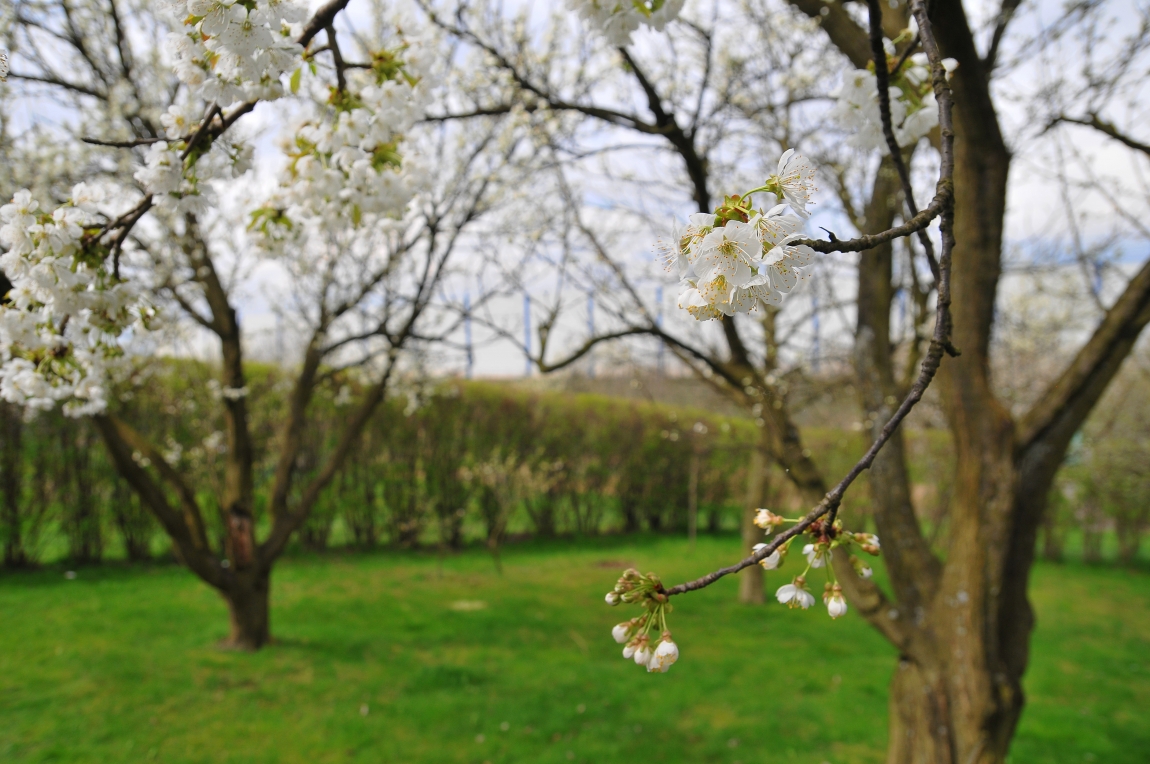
pixel 1037 221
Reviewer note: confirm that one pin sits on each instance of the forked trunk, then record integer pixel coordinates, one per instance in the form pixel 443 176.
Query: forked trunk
pixel 930 723
pixel 247 597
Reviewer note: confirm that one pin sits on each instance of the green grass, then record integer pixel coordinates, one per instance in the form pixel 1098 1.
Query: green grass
pixel 120 665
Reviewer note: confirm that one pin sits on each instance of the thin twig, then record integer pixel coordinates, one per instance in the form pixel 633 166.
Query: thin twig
pixel 882 82
pixel 905 55
pixel 123 144
pixel 204 127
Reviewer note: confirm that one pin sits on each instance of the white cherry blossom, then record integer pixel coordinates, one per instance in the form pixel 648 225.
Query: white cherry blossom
pixel 729 252
pixel 796 181
pixel 816 555
pixel 767 520
pixel 665 654
pixel 795 594
pixel 617 20
pixel 771 561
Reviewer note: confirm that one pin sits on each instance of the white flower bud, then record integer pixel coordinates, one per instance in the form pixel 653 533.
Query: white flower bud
pixel 816 555
pixel 612 598
pixel 620 632
pixel 665 654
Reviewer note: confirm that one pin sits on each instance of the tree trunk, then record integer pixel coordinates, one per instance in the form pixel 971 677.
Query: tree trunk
pixel 932 723
pixel 11 431
pixel 751 579
pixel 1092 528
pixel 247 596
pixel 1129 532
pixel 1053 538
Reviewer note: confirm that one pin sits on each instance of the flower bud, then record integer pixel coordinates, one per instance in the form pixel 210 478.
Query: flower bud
pixel 767 520
pixel 665 654
pixel 861 568
pixel 816 554
pixel 612 598
pixel 643 652
pixel 620 632
pixel 836 605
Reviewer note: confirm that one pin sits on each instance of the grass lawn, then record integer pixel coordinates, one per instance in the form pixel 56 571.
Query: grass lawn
pixel 377 660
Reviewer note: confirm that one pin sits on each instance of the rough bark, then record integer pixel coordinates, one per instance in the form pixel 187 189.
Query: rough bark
pixel 247 595
pixel 11 485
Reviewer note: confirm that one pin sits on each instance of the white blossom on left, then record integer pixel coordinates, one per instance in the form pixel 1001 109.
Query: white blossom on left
pixel 62 324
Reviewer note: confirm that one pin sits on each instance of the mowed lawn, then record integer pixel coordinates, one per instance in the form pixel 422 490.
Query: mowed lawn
pixel 390 657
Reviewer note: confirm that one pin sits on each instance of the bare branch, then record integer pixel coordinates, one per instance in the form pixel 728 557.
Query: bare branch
pixel 1106 128
pixel 882 82
pixel 1005 15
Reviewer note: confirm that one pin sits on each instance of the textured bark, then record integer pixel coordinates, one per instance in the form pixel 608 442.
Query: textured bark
pixel 11 485
pixel 248 598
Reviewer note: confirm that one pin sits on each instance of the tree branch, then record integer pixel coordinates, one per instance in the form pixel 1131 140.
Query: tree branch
pixel 1105 128
pixel 323 17
pixel 1065 405
pixel 844 32
pixel 882 83
pixel 1005 15
pixel 186 531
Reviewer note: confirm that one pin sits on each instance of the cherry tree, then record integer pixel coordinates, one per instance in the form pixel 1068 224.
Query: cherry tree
pixel 724 93
pixel 132 240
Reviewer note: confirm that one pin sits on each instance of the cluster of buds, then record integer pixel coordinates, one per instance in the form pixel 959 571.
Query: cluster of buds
pixel 824 539
pixel 645 638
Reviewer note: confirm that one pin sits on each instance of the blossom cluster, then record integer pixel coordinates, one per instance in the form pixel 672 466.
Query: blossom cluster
pixel 730 261
pixel 617 20
pixel 179 185
pixel 61 329
pixel 645 638
pixel 66 311
pixel 228 51
pixel 345 169
pixel 825 538
pixel 235 50
pixel 913 108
